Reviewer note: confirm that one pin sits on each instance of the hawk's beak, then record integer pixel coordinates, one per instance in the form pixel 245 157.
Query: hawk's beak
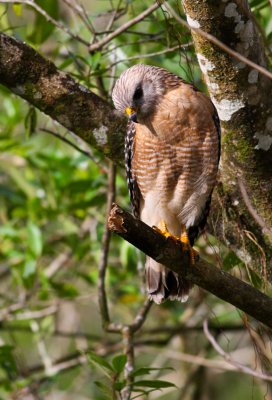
pixel 132 115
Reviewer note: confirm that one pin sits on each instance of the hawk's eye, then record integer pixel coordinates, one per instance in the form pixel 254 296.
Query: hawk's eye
pixel 138 93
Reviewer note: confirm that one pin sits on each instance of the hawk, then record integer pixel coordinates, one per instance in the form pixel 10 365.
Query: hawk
pixel 172 151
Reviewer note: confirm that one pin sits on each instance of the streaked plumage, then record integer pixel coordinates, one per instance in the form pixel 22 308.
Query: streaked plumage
pixel 172 156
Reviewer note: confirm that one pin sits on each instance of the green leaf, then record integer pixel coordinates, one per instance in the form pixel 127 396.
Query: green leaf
pixel 35 243
pixel 29 268
pixel 42 28
pixel 65 289
pixel 21 182
pixel 7 361
pixel 146 370
pixel 128 256
pixel 119 363
pixel 17 8
pixel 119 385
pixel 156 384
pixel 102 363
pixel 230 261
pixel 105 389
pixel 30 121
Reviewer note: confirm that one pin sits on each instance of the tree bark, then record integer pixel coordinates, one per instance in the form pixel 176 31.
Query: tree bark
pixel 37 80
pixel 243 100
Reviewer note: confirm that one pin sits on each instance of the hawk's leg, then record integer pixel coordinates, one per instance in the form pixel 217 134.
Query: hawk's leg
pixel 184 239
pixel 164 231
pixel 186 243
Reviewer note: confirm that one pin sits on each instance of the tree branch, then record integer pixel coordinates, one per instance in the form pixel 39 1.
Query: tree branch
pixel 48 17
pixel 37 80
pixel 240 367
pixel 203 274
pixel 97 46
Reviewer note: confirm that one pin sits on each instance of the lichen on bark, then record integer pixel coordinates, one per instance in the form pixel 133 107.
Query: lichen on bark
pixel 37 80
pixel 242 97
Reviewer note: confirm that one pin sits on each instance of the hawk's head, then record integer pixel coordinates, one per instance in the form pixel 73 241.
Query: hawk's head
pixel 138 90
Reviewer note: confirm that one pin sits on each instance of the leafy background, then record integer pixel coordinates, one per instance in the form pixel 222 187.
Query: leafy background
pixel 52 214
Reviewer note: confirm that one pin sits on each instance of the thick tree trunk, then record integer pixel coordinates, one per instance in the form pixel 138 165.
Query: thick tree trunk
pixel 243 99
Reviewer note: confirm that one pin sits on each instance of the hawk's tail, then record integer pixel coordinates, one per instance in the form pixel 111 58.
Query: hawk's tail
pixel 162 283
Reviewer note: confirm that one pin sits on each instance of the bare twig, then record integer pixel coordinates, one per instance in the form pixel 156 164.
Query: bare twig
pixel 200 360
pixel 257 218
pixel 50 19
pixel 80 11
pixel 29 314
pixel 7 314
pixel 86 152
pixel 171 254
pixel 7 311
pixel 127 334
pixel 57 263
pixel 154 54
pixel 97 46
pixel 141 316
pixel 240 367
pixel 46 360
pixel 153 38
pixel 217 42
pixel 102 295
pixel 67 256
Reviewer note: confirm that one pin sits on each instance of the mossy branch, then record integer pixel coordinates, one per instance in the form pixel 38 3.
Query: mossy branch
pixel 37 80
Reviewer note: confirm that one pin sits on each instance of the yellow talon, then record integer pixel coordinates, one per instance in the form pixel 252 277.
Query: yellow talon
pixel 184 239
pixel 164 231
pixel 186 243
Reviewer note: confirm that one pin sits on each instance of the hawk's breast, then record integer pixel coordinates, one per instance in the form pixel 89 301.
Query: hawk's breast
pixel 176 153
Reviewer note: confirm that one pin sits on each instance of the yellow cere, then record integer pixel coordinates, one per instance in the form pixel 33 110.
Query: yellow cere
pixel 130 111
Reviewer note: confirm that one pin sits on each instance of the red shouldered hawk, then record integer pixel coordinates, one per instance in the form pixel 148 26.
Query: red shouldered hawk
pixel 172 153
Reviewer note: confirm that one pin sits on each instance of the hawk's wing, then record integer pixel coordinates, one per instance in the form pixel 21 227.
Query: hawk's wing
pixel 195 230
pixel 134 191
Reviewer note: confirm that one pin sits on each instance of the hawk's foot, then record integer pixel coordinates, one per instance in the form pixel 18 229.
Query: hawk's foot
pixel 187 246
pixel 165 232
pixel 183 239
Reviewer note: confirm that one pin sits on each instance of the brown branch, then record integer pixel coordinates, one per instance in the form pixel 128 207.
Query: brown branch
pixel 238 366
pixel 141 316
pixel 37 80
pixel 66 257
pixel 260 221
pixel 97 46
pixel 85 152
pixel 203 274
pixel 147 55
pixel 102 295
pixel 48 17
pixel 218 43
pixel 80 11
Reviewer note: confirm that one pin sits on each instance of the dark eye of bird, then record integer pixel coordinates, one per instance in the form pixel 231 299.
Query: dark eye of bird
pixel 138 93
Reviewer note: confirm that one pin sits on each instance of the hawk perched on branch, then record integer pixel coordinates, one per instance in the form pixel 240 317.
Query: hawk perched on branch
pixel 172 152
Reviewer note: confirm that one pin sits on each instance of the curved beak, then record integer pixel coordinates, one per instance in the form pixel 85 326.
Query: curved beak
pixel 132 115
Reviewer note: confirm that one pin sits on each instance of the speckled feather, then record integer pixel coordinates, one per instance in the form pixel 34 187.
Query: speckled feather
pixel 134 192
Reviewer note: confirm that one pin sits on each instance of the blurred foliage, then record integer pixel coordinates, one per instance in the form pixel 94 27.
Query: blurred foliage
pixel 52 213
